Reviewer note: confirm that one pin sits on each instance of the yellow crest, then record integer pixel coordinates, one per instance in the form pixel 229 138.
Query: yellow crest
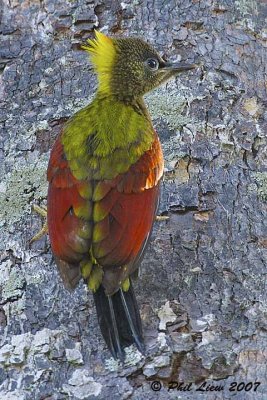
pixel 102 54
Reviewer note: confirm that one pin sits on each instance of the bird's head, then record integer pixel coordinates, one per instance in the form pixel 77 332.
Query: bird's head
pixel 129 67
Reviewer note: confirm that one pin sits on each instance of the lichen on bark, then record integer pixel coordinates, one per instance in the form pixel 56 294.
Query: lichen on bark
pixel 202 289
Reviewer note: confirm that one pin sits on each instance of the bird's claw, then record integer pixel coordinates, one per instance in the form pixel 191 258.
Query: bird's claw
pixel 162 218
pixel 44 230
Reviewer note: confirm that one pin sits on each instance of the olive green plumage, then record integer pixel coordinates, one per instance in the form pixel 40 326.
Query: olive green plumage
pixel 106 138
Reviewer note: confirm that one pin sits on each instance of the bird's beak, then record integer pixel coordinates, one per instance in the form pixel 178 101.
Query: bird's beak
pixel 178 67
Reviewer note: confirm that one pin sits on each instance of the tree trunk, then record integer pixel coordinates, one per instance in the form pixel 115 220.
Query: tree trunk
pixel 202 289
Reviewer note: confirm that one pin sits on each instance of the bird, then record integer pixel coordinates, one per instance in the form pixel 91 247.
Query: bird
pixel 104 177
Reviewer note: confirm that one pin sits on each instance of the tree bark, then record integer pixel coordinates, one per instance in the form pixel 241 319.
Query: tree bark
pixel 202 289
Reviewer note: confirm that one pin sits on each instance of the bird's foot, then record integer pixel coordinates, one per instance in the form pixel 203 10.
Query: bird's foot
pixel 44 230
pixel 162 217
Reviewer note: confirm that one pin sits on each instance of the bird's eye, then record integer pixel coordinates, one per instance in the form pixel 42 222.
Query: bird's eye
pixel 152 63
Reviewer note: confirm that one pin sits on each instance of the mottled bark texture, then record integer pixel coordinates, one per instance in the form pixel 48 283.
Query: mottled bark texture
pixel 202 290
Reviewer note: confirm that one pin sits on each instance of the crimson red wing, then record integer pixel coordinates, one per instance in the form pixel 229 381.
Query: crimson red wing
pixel 128 209
pixel 130 221
pixel 69 235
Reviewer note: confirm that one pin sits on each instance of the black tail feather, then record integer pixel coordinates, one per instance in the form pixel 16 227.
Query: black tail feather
pixel 114 333
pixel 137 335
pixel 119 320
